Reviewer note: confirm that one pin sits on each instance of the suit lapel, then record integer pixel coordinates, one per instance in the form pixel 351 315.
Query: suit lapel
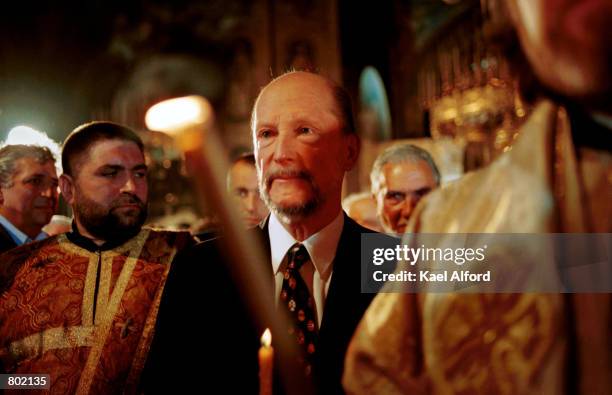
pixel 263 236
pixel 342 278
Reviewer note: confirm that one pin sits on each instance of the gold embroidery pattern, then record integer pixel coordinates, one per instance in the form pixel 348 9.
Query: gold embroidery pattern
pixel 104 286
pixel 89 290
pixel 490 343
pixel 51 339
pixel 103 329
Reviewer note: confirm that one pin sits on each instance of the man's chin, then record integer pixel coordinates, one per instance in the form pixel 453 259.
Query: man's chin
pixel 127 211
pixel 295 211
pixel 128 216
pixel 250 223
pixel 127 225
pixel 387 228
pixel 292 206
pixel 116 227
pixel 42 220
pixel 290 197
pixel 130 224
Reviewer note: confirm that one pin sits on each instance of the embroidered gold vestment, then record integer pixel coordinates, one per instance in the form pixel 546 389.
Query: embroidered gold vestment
pixel 430 343
pixel 84 317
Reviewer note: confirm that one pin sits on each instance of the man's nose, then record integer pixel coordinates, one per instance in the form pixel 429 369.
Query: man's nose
pixel 408 205
pixel 47 192
pixel 284 147
pixel 50 191
pixel 129 185
pixel 250 202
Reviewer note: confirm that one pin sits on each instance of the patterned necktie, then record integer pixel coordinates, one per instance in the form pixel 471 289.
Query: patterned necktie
pixel 296 297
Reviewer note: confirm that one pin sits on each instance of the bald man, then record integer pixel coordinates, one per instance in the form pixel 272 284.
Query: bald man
pixel 304 142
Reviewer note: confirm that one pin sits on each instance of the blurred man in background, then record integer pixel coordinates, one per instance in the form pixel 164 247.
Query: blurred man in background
pixel 243 187
pixel 28 193
pixel 401 175
pixel 557 178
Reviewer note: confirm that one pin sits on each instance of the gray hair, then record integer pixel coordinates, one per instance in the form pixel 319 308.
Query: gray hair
pixel 401 153
pixel 9 154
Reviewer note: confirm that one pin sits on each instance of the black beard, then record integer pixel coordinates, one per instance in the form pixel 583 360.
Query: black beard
pixel 106 224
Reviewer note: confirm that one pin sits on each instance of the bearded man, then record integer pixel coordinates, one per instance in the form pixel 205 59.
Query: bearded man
pixel 80 306
pixel 304 141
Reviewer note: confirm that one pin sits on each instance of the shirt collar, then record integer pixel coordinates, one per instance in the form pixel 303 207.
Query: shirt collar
pixel 42 235
pixel 17 235
pixel 321 246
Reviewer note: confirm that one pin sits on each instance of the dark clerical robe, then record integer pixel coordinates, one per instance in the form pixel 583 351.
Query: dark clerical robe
pixel 83 314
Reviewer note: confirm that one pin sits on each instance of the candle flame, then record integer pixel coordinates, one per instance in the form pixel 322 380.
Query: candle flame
pixel 173 115
pixel 266 338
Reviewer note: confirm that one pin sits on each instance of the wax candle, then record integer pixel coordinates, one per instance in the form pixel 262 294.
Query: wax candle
pixel 266 363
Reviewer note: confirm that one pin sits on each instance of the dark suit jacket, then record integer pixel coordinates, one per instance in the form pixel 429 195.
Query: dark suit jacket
pixel 6 242
pixel 202 316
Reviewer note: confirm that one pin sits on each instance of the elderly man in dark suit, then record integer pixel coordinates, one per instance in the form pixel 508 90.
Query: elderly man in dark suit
pixel 304 142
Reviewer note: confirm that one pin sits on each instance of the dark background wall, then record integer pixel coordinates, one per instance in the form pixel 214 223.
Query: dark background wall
pixel 63 63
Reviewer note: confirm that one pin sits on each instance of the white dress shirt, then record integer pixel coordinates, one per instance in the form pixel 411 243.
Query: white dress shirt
pixel 18 236
pixel 321 247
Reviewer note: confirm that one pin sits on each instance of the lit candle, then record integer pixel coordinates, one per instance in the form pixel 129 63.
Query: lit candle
pixel 184 118
pixel 190 121
pixel 266 363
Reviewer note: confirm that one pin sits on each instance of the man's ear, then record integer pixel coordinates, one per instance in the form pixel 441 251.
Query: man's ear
pixel 66 184
pixel 353 143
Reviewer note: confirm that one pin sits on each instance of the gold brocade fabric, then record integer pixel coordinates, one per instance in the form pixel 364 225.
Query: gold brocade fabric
pixel 86 318
pixel 430 343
